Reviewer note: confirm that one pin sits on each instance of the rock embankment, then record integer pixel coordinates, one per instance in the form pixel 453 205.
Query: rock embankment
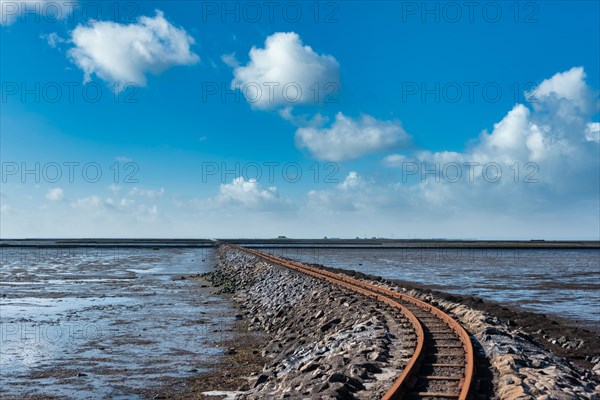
pixel 326 342
pixel 522 368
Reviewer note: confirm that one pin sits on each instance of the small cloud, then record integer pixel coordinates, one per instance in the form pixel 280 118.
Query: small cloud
pixel 55 194
pixel 348 139
pixel 354 193
pixel 230 60
pixel 304 120
pixel 286 72
pixel 568 85
pixel 395 160
pixel 251 195
pixel 120 204
pixel 124 159
pixel 126 53
pixel 53 39
pixel 353 181
pixel 89 203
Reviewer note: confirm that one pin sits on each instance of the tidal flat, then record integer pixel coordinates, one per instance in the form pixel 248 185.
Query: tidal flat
pixel 105 322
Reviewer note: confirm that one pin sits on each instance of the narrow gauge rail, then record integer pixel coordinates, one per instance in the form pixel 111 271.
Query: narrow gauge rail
pixel 442 364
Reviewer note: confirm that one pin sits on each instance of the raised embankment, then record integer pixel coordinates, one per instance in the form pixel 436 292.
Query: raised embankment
pixel 330 342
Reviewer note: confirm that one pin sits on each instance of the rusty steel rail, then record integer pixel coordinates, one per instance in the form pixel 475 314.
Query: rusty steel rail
pixel 403 382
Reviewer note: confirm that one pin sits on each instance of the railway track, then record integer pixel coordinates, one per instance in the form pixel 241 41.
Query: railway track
pixel 442 365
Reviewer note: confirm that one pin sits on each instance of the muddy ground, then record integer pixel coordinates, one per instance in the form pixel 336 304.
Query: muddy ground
pixel 236 370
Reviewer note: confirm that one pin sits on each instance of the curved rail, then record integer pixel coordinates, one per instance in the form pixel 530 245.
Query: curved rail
pixel 403 382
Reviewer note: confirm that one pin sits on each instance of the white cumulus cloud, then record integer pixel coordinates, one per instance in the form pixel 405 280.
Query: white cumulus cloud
pixel 250 194
pixel 285 72
pixel 55 194
pixel 547 153
pixel 355 193
pixel 352 182
pixel 125 53
pixel 569 85
pixel 348 139
pixel 555 133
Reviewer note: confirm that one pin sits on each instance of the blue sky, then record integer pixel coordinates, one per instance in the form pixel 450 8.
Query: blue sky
pixel 437 86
